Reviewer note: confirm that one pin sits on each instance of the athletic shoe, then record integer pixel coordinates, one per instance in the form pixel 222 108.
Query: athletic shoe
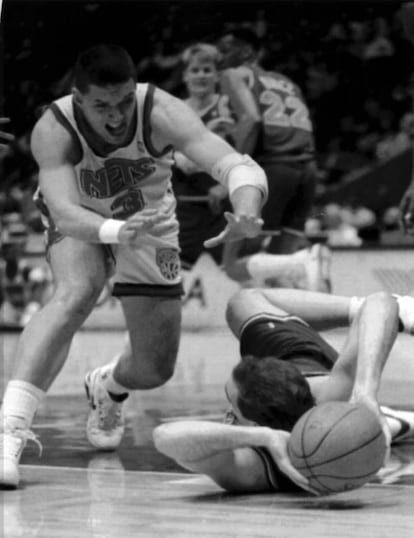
pixel 406 312
pixel 399 469
pixel 12 443
pixel 405 418
pixel 106 425
pixel 316 261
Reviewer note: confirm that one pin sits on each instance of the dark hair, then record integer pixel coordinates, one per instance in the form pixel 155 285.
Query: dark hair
pixel 246 36
pixel 103 65
pixel 271 392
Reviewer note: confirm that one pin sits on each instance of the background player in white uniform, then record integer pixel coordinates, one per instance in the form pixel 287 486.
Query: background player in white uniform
pixel 105 157
pixel 285 369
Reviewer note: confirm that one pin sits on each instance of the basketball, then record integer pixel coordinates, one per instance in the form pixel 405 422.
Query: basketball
pixel 337 446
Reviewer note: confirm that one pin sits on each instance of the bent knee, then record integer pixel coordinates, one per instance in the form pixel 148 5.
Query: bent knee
pixel 152 375
pixel 238 301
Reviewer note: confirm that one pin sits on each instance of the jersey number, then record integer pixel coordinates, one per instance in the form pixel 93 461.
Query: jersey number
pixel 127 204
pixel 285 112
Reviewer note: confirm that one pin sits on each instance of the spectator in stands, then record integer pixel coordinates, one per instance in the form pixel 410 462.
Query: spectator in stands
pixel 23 285
pixel 200 219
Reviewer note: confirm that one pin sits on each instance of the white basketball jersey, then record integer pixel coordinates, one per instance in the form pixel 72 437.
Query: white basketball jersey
pixel 129 178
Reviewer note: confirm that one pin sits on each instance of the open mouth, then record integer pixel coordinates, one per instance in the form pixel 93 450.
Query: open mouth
pixel 116 131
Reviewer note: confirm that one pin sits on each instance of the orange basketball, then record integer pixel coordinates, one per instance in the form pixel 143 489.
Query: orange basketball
pixel 337 446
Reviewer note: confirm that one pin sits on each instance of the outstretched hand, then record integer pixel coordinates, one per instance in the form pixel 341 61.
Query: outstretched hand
pixel 143 223
pixel 238 227
pixel 277 446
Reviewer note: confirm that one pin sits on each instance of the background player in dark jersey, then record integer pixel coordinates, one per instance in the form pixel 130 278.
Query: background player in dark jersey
pixel 285 369
pixel 200 219
pixel 278 132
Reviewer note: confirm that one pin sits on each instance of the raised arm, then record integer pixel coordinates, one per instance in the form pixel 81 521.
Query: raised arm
pixel 356 376
pixel 235 84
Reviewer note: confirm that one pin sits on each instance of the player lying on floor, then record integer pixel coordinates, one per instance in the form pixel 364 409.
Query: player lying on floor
pixel 286 367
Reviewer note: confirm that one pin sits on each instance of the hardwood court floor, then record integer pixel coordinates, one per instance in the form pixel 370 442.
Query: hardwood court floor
pixel 74 491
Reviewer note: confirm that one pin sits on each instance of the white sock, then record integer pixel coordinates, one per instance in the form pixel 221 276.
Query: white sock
pixel 108 381
pixel 406 312
pixel 354 307
pixel 20 403
pixel 264 265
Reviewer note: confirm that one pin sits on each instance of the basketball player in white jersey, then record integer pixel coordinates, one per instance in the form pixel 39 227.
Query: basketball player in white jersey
pixel 285 369
pixel 105 154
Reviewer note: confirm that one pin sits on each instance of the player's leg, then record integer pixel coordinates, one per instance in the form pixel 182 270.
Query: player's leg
pixel 316 259
pixel 280 264
pixel 400 422
pixel 147 362
pixel 154 325
pixel 320 310
pixel 148 283
pixel 290 201
pixel 79 275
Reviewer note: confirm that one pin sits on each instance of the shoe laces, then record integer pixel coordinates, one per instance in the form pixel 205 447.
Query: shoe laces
pixel 25 435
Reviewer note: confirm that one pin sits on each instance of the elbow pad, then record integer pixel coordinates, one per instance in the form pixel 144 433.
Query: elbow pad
pixel 235 170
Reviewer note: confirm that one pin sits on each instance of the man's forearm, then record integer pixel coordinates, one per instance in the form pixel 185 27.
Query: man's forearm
pixel 247 200
pixel 378 328
pixel 78 222
pixel 189 441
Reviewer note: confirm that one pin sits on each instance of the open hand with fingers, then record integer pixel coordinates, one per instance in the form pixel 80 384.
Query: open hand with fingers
pixel 277 443
pixel 238 227
pixel 143 223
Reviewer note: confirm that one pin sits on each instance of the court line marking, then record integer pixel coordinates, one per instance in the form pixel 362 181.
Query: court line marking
pixel 180 476
pixel 84 469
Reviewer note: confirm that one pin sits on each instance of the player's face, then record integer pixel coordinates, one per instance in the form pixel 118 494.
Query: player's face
pixel 232 52
pixel 109 110
pixel 231 390
pixel 200 77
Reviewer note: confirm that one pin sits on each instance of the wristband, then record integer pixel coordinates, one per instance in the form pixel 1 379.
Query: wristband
pixel 109 231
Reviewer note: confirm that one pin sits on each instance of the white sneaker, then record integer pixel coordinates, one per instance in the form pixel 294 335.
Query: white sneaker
pixel 12 443
pixel 406 312
pixel 405 418
pixel 106 425
pixel 316 261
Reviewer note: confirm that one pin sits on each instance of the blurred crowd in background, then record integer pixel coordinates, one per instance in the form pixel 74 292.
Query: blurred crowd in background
pixel 351 60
